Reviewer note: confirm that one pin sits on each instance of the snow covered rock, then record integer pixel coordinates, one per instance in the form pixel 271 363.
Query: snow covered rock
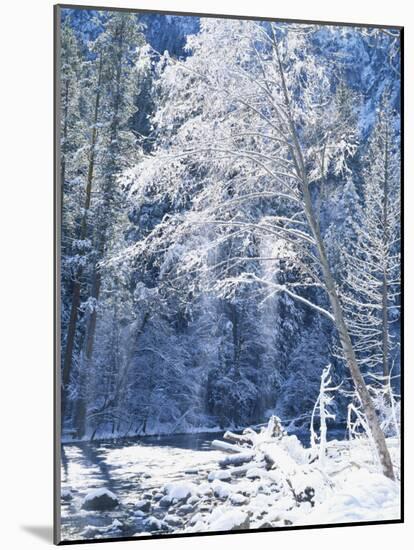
pixel 254 473
pixel 238 500
pixel 92 531
pixel 100 500
pixel 185 510
pixel 179 490
pixel 230 520
pixel 154 524
pixel 173 522
pixel 165 501
pixel 310 485
pixel 221 489
pixel 223 475
pixel 205 490
pixel 66 495
pixel 361 496
pixel 265 525
pixel 144 505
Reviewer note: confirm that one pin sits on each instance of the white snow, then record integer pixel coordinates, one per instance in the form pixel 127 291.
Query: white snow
pixel 222 475
pixel 237 499
pixel 349 489
pixel 228 520
pixel 221 489
pixel 180 490
pixel 93 531
pixel 361 496
pixel 295 490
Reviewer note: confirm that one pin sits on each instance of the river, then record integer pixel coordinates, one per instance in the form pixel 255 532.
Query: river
pixel 133 469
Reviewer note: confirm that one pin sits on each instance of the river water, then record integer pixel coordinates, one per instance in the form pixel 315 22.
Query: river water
pixel 134 469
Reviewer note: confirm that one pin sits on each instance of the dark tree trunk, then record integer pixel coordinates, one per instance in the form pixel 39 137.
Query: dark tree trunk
pixel 64 135
pixel 76 292
pixel 104 221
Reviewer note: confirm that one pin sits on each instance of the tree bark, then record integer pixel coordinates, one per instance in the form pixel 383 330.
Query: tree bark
pixel 344 337
pixel 64 135
pixel 346 343
pixel 76 292
pixel 102 227
pixel 385 329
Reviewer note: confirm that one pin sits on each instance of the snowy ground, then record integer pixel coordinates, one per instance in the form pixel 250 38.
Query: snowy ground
pixel 292 491
pixel 176 490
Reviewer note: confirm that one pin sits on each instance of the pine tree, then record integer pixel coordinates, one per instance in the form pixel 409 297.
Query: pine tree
pixel 118 46
pixel 371 291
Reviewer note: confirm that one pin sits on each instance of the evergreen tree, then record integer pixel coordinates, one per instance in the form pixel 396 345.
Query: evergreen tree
pixel 371 291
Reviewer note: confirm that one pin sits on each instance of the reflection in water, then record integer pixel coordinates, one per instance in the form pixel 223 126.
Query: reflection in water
pixel 130 468
pixel 95 457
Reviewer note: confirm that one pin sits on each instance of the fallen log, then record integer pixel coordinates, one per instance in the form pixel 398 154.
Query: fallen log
pixel 226 447
pixel 241 471
pixel 237 459
pixel 249 438
pixel 244 439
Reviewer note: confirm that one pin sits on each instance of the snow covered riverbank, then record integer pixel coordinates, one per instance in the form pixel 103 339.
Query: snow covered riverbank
pixel 277 482
pixel 296 493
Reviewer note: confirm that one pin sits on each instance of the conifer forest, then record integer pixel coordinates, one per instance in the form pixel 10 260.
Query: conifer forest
pixel 229 273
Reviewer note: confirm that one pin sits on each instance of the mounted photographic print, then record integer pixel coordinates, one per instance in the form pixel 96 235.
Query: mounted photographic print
pixel 228 274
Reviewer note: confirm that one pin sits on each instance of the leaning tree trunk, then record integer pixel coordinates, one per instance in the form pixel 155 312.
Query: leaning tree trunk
pixel 348 350
pixel 385 330
pixel 344 337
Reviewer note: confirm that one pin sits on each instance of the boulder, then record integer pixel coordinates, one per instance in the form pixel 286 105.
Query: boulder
pixel 100 500
pixel 221 475
pixel 238 500
pixel 230 520
pixel 265 525
pixel 165 501
pixel 173 521
pixel 143 505
pixel 154 524
pixel 185 509
pixel 66 495
pixel 180 491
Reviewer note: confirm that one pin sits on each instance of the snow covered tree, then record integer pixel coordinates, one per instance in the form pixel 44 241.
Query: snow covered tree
pixel 111 94
pixel 272 99
pixel 80 102
pixel 217 198
pixel 371 290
